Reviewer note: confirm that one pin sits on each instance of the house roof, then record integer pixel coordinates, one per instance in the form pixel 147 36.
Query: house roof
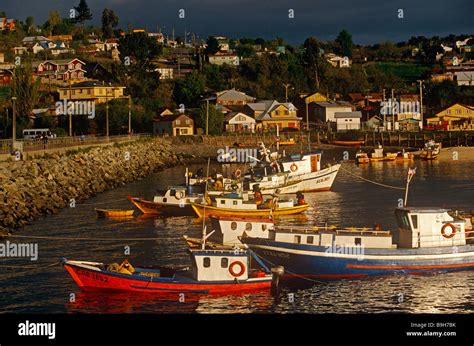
pixel 173 117
pixel 231 115
pixel 31 39
pixel 267 106
pixel 90 84
pixel 464 76
pixel 233 94
pixel 339 115
pixel 334 104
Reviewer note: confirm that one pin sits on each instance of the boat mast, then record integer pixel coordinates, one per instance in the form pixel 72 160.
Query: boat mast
pixel 411 174
pixel 204 212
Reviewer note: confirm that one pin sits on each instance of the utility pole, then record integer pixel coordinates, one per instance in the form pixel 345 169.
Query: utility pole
pixel 385 112
pixel 287 85
pixel 107 111
pixel 14 111
pixel 70 113
pixel 130 114
pixel 393 114
pixel 421 104
pixel 207 116
pixel 307 115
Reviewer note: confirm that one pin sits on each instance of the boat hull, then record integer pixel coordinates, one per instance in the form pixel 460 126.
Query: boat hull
pixel 108 213
pixel 312 182
pixel 153 208
pixel 320 262
pixel 90 279
pixel 202 210
pixel 348 143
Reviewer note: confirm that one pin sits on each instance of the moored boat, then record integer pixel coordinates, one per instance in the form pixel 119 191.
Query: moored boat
pixel 427 240
pixel 362 158
pixel 175 201
pixel 241 206
pixel 114 213
pixel 348 143
pixel 212 271
pixel 430 151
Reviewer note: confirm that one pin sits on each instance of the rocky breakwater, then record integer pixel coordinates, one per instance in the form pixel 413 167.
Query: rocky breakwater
pixel 29 189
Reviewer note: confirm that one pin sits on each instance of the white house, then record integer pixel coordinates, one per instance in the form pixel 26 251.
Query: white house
pixel 464 78
pixel 348 120
pixel 221 58
pixel 338 61
pixel 325 111
pixel 239 122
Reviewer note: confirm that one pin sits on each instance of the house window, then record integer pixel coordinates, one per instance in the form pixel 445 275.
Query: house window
pixel 178 122
pixel 310 240
pixel 358 241
pixel 458 111
pixel 206 262
pixel 224 262
pixel 297 239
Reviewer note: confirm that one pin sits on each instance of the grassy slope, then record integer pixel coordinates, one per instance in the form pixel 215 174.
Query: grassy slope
pixel 409 72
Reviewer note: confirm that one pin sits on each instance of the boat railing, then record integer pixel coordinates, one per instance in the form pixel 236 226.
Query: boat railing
pixel 335 230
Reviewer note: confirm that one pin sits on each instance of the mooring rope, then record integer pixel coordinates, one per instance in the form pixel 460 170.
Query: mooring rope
pixel 86 238
pixel 39 268
pixel 372 181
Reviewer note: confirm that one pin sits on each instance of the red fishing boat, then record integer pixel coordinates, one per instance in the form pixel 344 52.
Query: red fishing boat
pixel 212 271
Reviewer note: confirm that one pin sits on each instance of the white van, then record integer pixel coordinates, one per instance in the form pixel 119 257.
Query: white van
pixel 37 133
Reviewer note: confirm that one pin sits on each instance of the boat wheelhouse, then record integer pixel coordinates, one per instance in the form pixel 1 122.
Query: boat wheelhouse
pixel 176 200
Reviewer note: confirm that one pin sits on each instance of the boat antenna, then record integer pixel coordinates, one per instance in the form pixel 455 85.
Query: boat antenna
pixel 411 174
pixel 204 212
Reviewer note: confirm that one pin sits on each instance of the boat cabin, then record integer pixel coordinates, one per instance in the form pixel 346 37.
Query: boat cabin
pixel 302 163
pixel 330 237
pixel 219 265
pixel 243 203
pixel 228 230
pixel 179 195
pixel 429 227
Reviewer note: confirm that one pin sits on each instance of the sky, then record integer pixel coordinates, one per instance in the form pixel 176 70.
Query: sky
pixel 369 21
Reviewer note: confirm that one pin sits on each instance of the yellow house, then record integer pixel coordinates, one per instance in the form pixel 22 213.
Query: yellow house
pixel 91 91
pixel 457 116
pixel 272 114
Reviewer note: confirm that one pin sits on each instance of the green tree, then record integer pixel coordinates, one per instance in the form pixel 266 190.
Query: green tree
pixel 314 61
pixel 26 90
pixel 212 45
pixel 140 48
pixel 109 21
pixel 344 39
pixel 83 12
pixel 216 119
pixel 187 91
pixel 29 24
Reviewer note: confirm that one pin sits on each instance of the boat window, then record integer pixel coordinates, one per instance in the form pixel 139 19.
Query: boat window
pixel 233 225
pixel 310 240
pixel 264 227
pixel 358 241
pixel 414 221
pixel 248 226
pixel 297 239
pixel 222 201
pixel 224 262
pixel 206 262
pixel 173 193
pixel 235 202
pixel 165 199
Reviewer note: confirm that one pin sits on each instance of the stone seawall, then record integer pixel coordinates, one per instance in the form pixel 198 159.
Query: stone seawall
pixel 41 186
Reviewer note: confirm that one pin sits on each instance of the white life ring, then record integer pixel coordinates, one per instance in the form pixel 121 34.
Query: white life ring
pixel 294 167
pixel 241 270
pixel 179 194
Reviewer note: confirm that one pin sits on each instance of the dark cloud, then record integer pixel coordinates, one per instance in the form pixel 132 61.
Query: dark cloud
pixel 369 21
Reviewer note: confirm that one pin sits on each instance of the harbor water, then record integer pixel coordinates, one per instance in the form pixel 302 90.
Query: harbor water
pixel 28 286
